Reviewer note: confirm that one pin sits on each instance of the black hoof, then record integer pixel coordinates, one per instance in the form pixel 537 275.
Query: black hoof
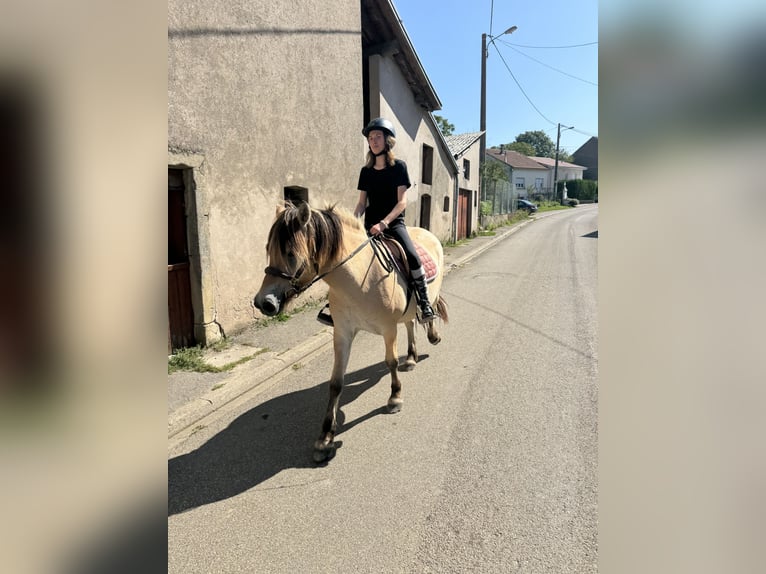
pixel 326 453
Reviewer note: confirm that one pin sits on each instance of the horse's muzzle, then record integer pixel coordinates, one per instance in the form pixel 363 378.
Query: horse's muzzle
pixel 268 305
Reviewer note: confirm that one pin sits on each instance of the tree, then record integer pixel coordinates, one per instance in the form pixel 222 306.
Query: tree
pixel 446 128
pixel 544 146
pixel 522 148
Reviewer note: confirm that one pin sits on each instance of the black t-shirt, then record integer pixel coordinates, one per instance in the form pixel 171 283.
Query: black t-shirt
pixel 381 186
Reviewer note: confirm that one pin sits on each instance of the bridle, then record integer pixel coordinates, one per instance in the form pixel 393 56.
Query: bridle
pixel 295 287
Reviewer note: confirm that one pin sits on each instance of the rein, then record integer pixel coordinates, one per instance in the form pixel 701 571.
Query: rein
pixel 297 289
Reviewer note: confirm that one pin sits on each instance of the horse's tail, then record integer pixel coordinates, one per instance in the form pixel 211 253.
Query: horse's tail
pixel 441 309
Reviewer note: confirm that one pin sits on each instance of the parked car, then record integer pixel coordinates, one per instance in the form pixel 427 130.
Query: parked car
pixel 528 205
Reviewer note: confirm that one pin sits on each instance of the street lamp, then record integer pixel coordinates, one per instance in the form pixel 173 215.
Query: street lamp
pixel 556 165
pixel 483 119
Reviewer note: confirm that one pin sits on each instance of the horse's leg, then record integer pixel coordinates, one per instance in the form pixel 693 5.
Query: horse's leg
pixel 324 447
pixel 392 361
pixel 412 350
pixel 433 333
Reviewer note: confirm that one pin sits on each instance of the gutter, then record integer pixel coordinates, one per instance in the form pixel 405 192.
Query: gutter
pixel 456 173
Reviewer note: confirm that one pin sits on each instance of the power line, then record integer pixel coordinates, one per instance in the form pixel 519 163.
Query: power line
pixel 556 47
pixel 584 133
pixel 491 14
pixel 547 66
pixel 507 67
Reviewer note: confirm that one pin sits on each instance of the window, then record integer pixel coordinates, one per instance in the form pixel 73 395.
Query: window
pixel 538 183
pixel 296 194
pixel 446 203
pixel 428 164
pixel 520 183
pixel 466 169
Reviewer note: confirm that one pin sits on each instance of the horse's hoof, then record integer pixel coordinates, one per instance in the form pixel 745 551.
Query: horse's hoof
pixel 324 450
pixel 394 405
pixel 434 340
pixel 409 365
pixel 324 454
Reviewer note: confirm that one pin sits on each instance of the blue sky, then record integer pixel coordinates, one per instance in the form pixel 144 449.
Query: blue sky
pixel 446 35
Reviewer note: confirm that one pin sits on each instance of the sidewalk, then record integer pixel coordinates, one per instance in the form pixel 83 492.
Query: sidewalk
pixel 273 349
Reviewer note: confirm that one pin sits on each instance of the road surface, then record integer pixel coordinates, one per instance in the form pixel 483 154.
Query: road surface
pixel 491 466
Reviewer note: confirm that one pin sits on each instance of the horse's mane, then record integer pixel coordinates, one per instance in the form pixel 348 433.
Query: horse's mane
pixel 319 241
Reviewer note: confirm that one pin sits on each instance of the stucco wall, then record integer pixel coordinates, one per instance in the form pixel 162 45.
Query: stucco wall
pixel 269 95
pixel 530 175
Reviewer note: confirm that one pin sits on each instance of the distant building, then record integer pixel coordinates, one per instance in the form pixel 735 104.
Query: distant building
pixel 529 178
pixel 566 171
pixel 587 155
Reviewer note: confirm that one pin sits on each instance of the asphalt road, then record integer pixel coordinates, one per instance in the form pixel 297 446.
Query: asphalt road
pixel 491 466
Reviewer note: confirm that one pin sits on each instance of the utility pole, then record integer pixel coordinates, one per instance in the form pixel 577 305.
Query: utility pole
pixel 483 118
pixel 556 166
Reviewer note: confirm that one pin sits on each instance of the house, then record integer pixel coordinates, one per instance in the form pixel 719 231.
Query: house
pixel 529 176
pixel 587 155
pixel 465 149
pixel 267 105
pixel 565 170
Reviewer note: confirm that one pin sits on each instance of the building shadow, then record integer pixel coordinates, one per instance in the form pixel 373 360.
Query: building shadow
pixel 271 437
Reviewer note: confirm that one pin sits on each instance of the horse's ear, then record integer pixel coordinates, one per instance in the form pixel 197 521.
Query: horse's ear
pixel 304 213
pixel 280 209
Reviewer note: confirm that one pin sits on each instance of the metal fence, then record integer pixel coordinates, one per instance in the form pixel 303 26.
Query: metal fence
pixel 500 197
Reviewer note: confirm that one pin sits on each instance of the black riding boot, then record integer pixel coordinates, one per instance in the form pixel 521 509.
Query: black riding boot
pixel 421 290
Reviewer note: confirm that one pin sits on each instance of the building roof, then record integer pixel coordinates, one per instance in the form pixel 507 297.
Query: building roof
pixel 589 148
pixel 515 159
pixel 383 33
pixel 461 142
pixel 551 162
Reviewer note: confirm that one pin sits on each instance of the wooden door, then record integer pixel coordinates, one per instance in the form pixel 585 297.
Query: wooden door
pixel 180 312
pixel 464 213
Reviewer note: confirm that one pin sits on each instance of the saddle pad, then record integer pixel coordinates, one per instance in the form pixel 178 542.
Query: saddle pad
pixel 397 254
pixel 429 265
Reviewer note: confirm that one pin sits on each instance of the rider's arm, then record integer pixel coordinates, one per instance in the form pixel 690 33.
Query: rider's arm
pixel 399 207
pixel 361 204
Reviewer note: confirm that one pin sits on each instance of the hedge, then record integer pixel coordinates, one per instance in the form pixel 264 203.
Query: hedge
pixel 579 188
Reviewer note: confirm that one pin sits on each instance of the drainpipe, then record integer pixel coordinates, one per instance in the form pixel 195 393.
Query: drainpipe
pixel 455 194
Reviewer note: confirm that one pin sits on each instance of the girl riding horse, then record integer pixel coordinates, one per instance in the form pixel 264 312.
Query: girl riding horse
pixel 383 184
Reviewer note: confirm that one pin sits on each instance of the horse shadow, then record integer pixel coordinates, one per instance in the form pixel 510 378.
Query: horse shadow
pixel 271 437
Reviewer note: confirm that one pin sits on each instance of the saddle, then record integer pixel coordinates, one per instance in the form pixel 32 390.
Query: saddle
pixel 396 255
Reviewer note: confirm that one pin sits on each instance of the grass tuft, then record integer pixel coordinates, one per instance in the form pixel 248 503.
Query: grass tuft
pixel 192 359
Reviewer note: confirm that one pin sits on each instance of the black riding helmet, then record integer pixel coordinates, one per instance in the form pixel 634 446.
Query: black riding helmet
pixel 381 124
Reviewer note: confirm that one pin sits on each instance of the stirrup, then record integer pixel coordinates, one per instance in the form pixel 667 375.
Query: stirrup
pixel 324 316
pixel 425 320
